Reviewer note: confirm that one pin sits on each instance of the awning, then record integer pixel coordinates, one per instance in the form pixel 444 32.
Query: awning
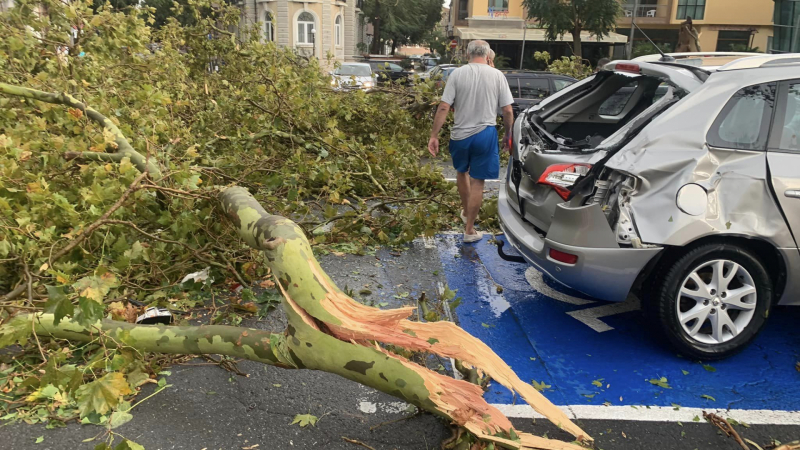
pixel 532 34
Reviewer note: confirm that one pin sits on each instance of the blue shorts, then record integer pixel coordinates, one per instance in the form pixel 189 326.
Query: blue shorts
pixel 478 154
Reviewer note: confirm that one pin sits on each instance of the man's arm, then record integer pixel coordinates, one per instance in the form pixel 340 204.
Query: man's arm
pixel 508 125
pixel 438 122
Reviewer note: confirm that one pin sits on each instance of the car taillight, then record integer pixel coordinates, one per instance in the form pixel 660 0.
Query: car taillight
pixel 566 258
pixel 563 176
pixel 627 67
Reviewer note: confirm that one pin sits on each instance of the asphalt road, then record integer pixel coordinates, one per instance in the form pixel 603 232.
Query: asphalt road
pixel 207 407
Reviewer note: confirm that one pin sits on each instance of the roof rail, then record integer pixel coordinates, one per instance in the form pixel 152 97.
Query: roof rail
pixel 754 62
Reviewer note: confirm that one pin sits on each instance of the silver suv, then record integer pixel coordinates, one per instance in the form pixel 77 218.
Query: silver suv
pixel 669 182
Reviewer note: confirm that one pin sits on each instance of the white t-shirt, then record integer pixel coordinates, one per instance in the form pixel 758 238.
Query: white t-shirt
pixel 477 92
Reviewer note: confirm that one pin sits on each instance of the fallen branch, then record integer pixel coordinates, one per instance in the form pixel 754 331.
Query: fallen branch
pixel 357 442
pixel 726 428
pixel 124 148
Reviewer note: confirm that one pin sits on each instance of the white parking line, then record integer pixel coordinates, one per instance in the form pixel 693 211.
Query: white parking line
pixel 657 414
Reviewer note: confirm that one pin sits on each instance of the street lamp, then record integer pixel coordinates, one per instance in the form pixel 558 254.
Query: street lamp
pixel 313 42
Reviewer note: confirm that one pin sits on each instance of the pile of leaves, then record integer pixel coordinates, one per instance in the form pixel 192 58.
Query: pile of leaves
pixel 84 234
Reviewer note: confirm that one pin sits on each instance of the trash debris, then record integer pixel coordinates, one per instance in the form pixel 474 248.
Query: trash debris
pixel 198 277
pixel 156 315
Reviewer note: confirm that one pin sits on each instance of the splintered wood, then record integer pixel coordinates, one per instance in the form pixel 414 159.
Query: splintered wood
pixel 460 400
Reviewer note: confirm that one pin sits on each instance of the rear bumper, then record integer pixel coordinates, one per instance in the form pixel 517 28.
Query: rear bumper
pixel 603 270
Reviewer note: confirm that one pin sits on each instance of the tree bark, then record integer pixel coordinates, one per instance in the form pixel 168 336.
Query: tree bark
pixel 577 47
pixel 331 332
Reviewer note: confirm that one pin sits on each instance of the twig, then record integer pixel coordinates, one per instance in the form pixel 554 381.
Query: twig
pixel 389 422
pixel 726 428
pixel 353 441
pixel 226 364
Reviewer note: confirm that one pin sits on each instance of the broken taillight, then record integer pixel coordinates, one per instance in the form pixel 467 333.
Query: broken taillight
pixel 563 176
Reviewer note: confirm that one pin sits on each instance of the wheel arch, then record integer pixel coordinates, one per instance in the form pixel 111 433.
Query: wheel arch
pixel 768 253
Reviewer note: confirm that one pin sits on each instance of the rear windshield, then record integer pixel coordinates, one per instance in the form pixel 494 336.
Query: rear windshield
pixel 354 71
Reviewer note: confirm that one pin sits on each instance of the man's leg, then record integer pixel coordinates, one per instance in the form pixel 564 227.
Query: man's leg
pixel 462 181
pixel 474 200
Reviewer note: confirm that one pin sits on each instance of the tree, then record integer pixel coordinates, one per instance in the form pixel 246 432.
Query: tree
pixel 124 169
pixel 401 22
pixel 558 17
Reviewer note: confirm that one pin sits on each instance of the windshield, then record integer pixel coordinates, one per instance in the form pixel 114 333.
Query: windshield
pixel 354 71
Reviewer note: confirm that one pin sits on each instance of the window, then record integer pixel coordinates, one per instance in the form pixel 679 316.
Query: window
pixel 696 9
pixel 744 121
pixel 733 41
pixel 614 105
pixel 337 30
pixel 498 5
pixel 534 87
pixel 269 27
pixel 463 9
pixel 305 28
pixel 561 84
pixel 786 128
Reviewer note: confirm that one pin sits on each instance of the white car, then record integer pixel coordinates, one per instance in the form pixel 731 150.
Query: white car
pixel 351 76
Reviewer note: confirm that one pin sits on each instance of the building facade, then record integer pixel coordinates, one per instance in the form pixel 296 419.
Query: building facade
pixel 312 28
pixel 787 26
pixel 723 25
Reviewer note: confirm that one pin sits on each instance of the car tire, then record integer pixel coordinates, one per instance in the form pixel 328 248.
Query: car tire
pixel 694 320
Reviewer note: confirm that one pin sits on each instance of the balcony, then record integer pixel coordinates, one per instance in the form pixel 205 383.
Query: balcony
pixel 498 13
pixel 645 14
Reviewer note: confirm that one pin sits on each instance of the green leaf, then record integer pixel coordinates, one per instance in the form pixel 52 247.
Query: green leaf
pixel 696 419
pixel 661 382
pixel 89 311
pixel 685 372
pixel 304 420
pixel 58 304
pixel 103 394
pixel 598 383
pixel 432 341
pixel 15 331
pixel 487 325
pixel 95 287
pixel 39 440
pixel 128 445
pixel 541 387
pixel 708 397
pixel 119 418
pixel 709 368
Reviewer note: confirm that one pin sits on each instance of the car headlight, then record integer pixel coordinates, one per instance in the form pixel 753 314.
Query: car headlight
pixel 367 84
pixel 333 82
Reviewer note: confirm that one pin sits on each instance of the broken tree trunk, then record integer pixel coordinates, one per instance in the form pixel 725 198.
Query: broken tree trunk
pixel 331 332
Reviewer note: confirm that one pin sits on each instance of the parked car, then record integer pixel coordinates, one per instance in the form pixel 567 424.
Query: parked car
pixel 388 72
pixel 669 182
pixel 351 76
pixel 529 87
pixel 441 72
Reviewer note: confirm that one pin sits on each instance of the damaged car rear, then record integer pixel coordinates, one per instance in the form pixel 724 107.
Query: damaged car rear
pixel 670 183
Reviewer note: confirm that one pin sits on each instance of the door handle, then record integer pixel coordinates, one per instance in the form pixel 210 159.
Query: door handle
pixel 792 193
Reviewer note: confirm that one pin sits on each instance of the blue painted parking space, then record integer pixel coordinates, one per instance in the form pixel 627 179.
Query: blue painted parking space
pixel 587 352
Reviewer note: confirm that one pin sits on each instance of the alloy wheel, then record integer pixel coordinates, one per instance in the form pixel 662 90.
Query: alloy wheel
pixel 716 301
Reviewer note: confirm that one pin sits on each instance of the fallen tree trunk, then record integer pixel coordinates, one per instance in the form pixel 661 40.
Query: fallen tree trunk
pixel 331 332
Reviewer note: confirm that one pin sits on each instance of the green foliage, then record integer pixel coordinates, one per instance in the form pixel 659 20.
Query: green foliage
pixel 571 66
pixel 642 48
pixel 558 17
pixel 502 62
pixel 266 120
pixel 401 22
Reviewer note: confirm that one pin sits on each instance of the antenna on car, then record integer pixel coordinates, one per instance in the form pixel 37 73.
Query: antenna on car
pixel 664 56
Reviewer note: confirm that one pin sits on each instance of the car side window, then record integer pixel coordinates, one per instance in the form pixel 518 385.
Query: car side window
pixel 561 84
pixel 534 87
pixel 744 121
pixel 786 128
pixel 614 105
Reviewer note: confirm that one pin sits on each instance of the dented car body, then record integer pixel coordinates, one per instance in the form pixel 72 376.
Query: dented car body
pixel 684 191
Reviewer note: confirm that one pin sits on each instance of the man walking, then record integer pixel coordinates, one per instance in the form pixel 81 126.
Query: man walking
pixel 477 92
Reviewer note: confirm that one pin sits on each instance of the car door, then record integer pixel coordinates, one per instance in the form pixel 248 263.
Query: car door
pixel 784 152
